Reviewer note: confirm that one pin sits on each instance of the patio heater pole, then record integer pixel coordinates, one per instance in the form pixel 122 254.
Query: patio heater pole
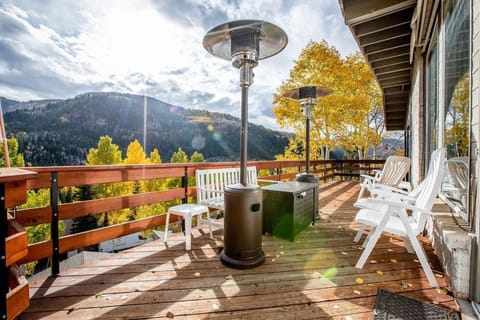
pixel 307 137
pixel 307 97
pixel 246 76
pixel 244 42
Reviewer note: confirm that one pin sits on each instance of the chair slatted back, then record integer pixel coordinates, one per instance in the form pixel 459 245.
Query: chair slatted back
pixel 211 183
pixel 394 170
pixel 458 172
pixel 430 187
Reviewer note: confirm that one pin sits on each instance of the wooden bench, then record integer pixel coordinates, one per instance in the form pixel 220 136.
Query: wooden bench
pixel 211 184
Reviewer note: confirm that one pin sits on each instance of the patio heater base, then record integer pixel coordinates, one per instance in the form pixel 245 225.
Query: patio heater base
pixel 243 227
pixel 310 178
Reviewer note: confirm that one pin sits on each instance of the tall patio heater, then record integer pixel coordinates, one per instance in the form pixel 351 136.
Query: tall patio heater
pixel 308 98
pixel 244 42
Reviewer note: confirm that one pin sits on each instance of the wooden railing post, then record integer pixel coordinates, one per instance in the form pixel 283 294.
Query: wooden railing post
pixel 54 224
pixel 3 254
pixel 185 185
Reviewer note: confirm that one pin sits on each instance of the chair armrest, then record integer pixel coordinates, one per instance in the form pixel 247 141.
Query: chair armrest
pixel 387 195
pixel 381 202
pixel 384 187
pixel 368 179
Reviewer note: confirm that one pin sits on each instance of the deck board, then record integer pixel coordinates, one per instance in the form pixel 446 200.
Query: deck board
pixel 311 278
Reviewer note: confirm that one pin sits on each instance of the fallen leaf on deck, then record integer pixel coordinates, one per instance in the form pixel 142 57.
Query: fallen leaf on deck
pixel 357 292
pixel 380 273
pixel 344 253
pixel 393 260
pixel 215 306
pixel 442 291
pixel 435 302
pixel 438 275
pixel 373 261
pixel 197 274
pixel 97 295
pixel 415 260
pixel 170 315
pixel 123 297
pixel 390 250
pixel 359 280
pixel 406 285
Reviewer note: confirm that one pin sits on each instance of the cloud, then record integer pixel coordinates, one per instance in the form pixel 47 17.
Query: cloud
pixel 60 48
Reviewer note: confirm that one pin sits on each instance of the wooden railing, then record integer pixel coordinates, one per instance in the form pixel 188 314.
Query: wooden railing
pixel 55 178
pixel 14 295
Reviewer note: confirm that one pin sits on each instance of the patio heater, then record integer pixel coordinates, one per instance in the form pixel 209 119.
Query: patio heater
pixel 307 97
pixel 244 42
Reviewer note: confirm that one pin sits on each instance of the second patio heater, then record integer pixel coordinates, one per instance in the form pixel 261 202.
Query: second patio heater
pixel 307 97
pixel 244 42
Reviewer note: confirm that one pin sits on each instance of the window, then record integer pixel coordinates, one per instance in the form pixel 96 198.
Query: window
pixel 431 105
pixel 457 102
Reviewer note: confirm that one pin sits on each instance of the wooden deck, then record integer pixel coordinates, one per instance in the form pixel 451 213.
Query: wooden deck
pixel 311 278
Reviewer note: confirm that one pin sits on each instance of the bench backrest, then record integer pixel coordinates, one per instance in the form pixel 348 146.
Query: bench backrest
pixel 210 183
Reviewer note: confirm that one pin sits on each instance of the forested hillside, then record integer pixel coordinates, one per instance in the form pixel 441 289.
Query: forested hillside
pixel 61 132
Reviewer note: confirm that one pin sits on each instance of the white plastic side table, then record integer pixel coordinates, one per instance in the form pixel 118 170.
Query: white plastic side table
pixel 187 211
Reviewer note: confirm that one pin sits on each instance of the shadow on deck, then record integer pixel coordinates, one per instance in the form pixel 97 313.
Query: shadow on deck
pixel 311 278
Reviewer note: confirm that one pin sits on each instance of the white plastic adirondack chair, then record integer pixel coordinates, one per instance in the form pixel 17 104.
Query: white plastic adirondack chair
pixel 390 214
pixel 394 170
pixel 456 185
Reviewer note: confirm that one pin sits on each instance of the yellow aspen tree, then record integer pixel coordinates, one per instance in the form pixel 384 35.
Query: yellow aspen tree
pixel 107 153
pixel 341 119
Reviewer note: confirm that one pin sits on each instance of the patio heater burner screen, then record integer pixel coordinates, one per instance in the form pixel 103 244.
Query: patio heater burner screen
pixel 244 42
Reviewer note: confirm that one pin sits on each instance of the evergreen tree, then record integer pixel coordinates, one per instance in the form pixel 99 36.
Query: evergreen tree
pixel 89 222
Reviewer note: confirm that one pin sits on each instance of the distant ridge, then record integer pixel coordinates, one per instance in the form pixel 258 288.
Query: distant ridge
pixel 61 132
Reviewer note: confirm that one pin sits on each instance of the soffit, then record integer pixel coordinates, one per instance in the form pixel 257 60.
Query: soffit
pixel 383 33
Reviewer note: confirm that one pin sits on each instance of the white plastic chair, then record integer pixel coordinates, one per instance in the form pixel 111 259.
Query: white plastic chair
pixel 456 184
pixel 392 174
pixel 389 214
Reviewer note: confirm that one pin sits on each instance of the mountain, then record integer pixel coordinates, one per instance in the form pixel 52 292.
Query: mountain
pixel 61 132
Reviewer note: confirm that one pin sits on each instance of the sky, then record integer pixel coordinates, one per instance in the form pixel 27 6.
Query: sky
pixel 57 49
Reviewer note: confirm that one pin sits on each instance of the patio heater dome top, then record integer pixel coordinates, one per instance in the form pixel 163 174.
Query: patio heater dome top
pixel 307 92
pixel 260 38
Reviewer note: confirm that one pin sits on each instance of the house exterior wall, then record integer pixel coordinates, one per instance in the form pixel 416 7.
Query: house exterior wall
pixel 416 120
pixel 455 246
